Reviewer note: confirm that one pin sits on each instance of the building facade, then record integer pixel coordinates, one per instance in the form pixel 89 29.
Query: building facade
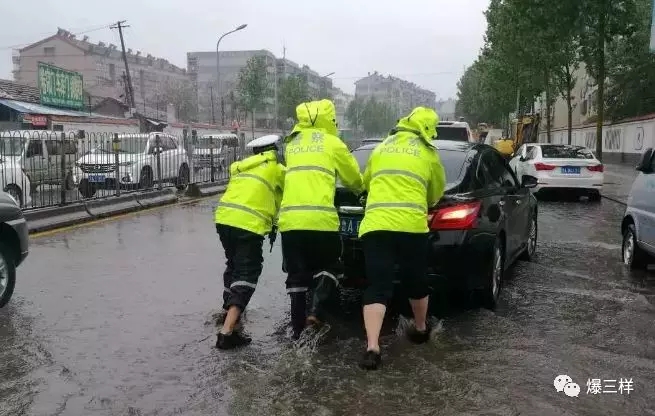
pixel 201 67
pixel 341 102
pixel 446 109
pixel 583 101
pixel 397 93
pixel 156 82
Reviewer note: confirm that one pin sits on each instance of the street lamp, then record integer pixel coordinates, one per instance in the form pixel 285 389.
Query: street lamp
pixel 218 71
pixel 324 81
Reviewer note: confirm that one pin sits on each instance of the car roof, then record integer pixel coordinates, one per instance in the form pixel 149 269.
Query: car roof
pixel 451 145
pixel 453 124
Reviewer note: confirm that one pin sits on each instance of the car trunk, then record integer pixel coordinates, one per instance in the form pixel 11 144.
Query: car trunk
pixel 568 167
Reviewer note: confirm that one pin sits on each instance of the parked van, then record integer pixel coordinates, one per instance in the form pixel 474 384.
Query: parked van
pixel 40 153
pixel 638 226
pixel 222 147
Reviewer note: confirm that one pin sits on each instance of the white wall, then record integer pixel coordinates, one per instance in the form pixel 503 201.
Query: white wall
pixel 630 138
pixel 99 127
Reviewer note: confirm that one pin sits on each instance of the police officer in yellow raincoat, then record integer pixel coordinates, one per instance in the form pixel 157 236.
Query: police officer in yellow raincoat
pixel 404 177
pixel 315 158
pixel 245 215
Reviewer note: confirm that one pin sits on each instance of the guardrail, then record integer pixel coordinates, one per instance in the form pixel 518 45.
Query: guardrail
pixel 46 168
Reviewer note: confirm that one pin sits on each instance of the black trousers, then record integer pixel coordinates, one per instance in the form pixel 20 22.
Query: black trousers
pixel 310 255
pixel 243 266
pixel 383 251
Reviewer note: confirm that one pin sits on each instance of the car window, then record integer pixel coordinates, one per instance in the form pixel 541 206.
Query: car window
pixel 565 152
pixel 35 148
pixel 501 174
pixel 532 153
pixel 452 133
pixel 452 160
pixel 53 147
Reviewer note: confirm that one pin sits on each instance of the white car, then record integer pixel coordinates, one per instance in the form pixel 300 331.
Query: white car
pixel 137 168
pixel 13 179
pixel 454 130
pixel 561 167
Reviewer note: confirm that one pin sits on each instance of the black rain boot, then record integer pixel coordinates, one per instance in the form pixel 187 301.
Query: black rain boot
pixel 325 287
pixel 298 313
pixel 231 341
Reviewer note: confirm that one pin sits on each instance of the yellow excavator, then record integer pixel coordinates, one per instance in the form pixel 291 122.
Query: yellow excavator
pixel 523 130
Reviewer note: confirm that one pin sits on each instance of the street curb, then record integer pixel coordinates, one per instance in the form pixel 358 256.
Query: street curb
pixel 52 218
pixel 199 190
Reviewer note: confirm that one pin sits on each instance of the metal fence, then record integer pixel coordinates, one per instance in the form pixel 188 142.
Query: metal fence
pixel 47 168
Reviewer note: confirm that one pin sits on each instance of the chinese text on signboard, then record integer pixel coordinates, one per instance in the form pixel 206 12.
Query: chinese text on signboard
pixel 60 88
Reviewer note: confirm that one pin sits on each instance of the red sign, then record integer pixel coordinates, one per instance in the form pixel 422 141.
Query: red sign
pixel 39 121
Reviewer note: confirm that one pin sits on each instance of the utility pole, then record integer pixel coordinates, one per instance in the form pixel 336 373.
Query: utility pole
pixel 211 94
pixel 120 25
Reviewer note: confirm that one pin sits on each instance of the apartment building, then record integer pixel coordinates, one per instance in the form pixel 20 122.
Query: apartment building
pixel 202 66
pixel 583 95
pixel 341 101
pixel 395 92
pixel 318 85
pixel 156 81
pixel 446 109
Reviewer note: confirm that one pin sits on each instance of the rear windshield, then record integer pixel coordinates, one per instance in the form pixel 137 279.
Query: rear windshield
pixel 452 161
pixel 452 133
pixel 565 152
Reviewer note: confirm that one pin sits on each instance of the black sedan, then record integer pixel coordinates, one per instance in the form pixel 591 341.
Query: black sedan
pixel 486 220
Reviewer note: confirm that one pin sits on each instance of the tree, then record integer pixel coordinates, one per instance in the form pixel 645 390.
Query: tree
pixel 252 87
pixel 372 118
pixel 292 91
pixel 631 70
pixel 603 23
pixel 182 96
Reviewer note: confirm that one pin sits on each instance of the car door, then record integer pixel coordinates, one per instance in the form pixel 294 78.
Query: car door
pixel 490 174
pixel 53 157
pixel 646 232
pixel 514 201
pixel 35 162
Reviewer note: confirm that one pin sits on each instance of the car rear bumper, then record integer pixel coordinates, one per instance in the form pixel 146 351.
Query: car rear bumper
pixel 20 226
pixel 456 260
pixel 550 181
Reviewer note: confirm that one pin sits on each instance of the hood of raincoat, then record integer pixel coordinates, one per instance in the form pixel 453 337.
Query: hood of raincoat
pixel 422 121
pixel 320 115
pixel 252 162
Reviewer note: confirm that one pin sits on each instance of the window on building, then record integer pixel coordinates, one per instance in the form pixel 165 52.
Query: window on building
pixel 142 82
pixel 112 73
pixel 49 51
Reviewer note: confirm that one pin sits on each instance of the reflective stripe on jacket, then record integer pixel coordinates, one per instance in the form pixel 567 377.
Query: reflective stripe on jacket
pixel 404 176
pixel 253 194
pixel 315 158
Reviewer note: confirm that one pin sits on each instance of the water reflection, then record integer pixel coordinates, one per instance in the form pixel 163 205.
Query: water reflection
pixel 17 361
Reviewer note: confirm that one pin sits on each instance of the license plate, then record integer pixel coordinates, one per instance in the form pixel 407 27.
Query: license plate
pixel 570 170
pixel 349 226
pixel 97 178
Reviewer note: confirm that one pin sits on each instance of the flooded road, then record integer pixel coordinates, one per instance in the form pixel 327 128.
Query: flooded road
pixel 116 319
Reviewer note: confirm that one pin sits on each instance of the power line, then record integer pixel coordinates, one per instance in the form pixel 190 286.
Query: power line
pixel 91 29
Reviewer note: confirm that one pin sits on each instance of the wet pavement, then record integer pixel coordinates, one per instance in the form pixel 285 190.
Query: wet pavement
pixel 116 319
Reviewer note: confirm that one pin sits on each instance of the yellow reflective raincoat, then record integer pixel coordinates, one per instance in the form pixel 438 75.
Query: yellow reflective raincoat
pixel 404 176
pixel 253 195
pixel 315 157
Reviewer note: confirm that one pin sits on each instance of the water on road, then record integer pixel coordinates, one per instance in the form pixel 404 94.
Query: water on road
pixel 116 319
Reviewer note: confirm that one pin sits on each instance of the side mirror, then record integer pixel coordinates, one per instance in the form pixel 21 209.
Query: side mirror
pixel 644 164
pixel 528 181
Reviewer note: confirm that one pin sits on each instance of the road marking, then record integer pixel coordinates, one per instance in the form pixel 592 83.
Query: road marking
pixel 115 217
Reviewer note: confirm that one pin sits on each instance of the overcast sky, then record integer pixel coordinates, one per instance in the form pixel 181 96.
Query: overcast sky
pixel 428 42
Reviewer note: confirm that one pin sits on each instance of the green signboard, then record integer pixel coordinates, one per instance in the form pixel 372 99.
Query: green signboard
pixel 60 88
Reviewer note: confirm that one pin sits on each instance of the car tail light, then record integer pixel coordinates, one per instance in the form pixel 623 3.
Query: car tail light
pixel 596 168
pixel 543 166
pixel 455 217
